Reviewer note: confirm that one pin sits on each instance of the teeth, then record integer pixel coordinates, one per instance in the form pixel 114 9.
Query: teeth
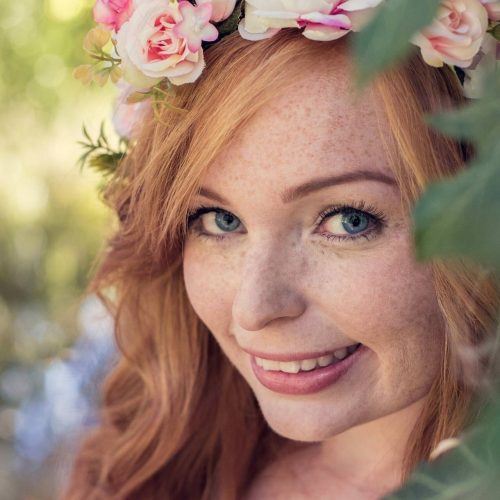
pixel 305 364
pixel 290 366
pixel 308 364
pixel 268 364
pixel 341 353
pixel 325 360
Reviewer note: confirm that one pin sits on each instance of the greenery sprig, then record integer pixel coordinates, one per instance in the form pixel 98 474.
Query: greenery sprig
pixel 99 154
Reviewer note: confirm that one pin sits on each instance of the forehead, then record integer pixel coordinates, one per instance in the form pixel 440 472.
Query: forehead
pixel 316 127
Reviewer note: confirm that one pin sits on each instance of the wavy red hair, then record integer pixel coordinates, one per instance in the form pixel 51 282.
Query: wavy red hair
pixel 177 419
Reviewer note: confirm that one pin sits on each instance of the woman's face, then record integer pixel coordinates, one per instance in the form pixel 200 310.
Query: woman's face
pixel 267 275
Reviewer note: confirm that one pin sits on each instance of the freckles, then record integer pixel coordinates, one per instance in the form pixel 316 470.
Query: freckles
pixel 380 294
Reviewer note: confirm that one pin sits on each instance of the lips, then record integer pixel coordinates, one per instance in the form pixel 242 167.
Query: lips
pixel 307 382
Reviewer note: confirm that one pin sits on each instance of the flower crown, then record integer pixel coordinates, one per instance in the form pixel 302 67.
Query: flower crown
pixel 148 47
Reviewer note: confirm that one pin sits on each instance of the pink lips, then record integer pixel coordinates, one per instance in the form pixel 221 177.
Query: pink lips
pixel 305 382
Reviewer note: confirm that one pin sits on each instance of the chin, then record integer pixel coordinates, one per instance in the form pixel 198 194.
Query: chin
pixel 310 421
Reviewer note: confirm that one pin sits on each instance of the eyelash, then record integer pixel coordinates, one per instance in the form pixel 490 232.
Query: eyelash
pixel 376 216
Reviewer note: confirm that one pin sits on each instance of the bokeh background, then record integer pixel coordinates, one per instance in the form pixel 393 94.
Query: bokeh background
pixel 55 342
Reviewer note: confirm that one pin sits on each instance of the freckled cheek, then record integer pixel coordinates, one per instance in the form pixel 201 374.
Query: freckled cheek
pixel 381 300
pixel 207 282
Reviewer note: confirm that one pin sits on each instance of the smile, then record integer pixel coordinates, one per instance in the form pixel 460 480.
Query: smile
pixel 306 376
pixel 306 364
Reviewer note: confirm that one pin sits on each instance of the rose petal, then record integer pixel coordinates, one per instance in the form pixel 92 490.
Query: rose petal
pixel 323 33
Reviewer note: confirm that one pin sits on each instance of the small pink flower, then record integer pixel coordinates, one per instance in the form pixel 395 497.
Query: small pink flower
pixel 321 19
pixel 221 9
pixel 195 25
pixel 127 118
pixel 163 40
pixel 456 34
pixel 493 8
pixel 112 13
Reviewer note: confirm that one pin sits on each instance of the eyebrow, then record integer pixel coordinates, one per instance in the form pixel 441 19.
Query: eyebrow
pixel 296 192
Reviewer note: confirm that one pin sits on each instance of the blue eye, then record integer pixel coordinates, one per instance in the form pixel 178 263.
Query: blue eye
pixel 355 222
pixel 226 221
pixel 347 222
pixel 352 222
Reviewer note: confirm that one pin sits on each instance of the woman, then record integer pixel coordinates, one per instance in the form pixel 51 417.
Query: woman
pixel 221 259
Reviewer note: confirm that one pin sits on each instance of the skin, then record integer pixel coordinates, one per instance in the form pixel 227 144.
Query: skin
pixel 276 285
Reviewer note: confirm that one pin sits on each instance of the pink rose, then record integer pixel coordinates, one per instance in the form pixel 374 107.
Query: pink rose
pixel 321 19
pixel 493 8
pixel 127 118
pixel 456 34
pixel 112 13
pixel 163 40
pixel 221 9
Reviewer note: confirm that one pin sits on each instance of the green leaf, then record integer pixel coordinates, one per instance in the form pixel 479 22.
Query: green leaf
pixel 479 122
pixel 105 162
pixel 495 31
pixel 102 136
pixel 86 134
pixel 461 216
pixel 385 40
pixel 469 471
pixel 100 155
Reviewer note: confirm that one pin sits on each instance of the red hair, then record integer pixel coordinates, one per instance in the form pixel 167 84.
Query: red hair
pixel 178 420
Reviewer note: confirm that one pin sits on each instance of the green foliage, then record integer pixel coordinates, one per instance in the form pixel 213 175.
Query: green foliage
pixel 385 40
pixel 495 31
pixel 461 216
pixel 99 154
pixel 469 471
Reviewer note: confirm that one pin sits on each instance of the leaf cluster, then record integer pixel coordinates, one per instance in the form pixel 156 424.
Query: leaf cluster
pixel 460 218
pixel 105 65
pixel 99 154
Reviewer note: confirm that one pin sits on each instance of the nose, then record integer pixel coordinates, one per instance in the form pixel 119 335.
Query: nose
pixel 268 287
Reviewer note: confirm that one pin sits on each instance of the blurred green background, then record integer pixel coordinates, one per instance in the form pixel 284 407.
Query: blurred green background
pixel 52 222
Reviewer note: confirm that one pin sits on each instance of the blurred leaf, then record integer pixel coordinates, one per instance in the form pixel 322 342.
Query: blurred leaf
pixel 101 77
pixel 460 217
pixel 469 471
pixel 479 121
pixel 106 163
pixel 84 73
pixel 385 40
pixel 495 31
pixel 95 40
pixel 99 154
pixel 137 97
pixel 115 74
pixel 86 133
